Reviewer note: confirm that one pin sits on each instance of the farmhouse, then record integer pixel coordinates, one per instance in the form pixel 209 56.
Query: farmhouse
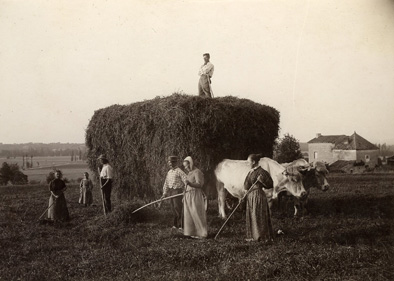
pixel 332 148
pixel 390 160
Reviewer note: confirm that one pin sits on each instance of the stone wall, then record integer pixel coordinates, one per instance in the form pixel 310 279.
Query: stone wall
pixel 370 157
pixel 320 152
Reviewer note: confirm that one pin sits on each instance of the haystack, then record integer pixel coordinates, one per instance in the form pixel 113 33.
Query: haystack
pixel 137 138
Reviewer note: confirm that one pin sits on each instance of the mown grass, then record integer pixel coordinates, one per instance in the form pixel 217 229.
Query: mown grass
pixel 71 171
pixel 347 235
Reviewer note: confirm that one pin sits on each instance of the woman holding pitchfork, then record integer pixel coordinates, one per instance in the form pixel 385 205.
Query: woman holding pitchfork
pixel 258 217
pixel 57 202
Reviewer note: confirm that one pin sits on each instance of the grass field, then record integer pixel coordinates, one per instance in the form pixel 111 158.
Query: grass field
pixel 348 235
pixel 40 161
pixel 71 170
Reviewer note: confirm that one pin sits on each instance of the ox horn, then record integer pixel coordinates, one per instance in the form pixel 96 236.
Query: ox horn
pixel 304 168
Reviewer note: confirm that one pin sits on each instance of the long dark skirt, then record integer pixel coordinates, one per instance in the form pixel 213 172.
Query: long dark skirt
pixel 58 209
pixel 258 218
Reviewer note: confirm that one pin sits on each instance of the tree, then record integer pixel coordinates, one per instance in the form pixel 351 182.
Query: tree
pixel 287 149
pixel 5 174
pixel 17 177
pixel 11 173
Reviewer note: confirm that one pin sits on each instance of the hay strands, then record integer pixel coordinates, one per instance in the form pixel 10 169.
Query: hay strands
pixel 206 128
pixel 160 200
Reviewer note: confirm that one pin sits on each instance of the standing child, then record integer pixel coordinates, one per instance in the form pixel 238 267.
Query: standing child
pixel 86 186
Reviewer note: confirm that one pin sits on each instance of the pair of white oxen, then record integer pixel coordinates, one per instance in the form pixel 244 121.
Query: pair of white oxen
pixel 293 179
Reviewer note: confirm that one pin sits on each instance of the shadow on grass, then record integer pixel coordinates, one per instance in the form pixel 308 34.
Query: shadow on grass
pixel 366 235
pixel 355 205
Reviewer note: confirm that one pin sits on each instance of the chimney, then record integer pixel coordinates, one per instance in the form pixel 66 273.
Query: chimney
pixel 318 135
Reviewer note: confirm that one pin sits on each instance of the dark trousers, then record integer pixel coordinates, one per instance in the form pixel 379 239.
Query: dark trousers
pixel 107 194
pixel 176 206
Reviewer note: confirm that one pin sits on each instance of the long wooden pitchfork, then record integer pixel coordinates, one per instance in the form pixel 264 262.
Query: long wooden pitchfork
pixel 209 84
pixel 239 203
pixel 101 190
pixel 53 202
pixel 159 201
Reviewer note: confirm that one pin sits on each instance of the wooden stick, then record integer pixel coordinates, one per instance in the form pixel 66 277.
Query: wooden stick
pixel 53 202
pixel 210 88
pixel 162 199
pixel 217 234
pixel 102 195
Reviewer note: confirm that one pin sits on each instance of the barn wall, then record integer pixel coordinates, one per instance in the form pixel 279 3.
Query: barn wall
pixel 373 157
pixel 347 155
pixel 324 152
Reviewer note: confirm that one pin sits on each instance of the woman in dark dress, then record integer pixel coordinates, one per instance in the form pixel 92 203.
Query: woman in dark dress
pixel 58 207
pixel 258 217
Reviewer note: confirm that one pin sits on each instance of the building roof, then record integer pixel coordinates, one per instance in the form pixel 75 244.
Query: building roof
pixel 353 142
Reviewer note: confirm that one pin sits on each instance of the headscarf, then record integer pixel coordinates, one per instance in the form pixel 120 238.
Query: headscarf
pixel 190 160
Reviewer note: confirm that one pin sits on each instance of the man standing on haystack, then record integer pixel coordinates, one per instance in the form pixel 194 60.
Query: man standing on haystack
pixel 174 184
pixel 206 72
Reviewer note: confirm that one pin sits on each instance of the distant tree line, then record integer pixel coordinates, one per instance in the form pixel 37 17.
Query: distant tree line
pixel 78 151
pixel 385 150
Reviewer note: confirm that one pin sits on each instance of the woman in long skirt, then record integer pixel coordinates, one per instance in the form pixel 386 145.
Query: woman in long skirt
pixel 194 203
pixel 58 207
pixel 258 217
pixel 86 186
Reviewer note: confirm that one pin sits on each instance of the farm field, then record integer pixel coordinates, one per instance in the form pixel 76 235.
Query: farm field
pixel 347 235
pixel 39 161
pixel 71 170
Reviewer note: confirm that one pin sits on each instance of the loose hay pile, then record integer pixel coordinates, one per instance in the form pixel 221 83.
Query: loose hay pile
pixel 123 214
pixel 138 137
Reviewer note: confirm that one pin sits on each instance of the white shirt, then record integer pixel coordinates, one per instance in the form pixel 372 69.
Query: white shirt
pixel 206 69
pixel 107 172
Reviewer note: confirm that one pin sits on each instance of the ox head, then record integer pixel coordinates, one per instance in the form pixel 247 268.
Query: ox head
pixel 316 177
pixel 291 179
pixel 297 168
pixel 321 173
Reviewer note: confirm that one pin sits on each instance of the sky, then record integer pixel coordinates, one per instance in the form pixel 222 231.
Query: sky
pixel 327 66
